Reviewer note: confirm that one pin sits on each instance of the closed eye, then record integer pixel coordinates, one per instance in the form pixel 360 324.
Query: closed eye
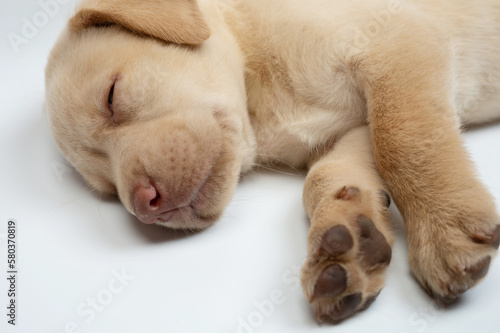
pixel 110 99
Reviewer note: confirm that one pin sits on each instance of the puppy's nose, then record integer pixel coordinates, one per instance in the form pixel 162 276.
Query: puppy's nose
pixel 150 205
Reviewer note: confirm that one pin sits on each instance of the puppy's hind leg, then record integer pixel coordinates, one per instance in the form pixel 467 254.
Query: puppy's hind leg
pixel 350 240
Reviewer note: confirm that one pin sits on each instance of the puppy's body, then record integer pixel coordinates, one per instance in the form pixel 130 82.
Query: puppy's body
pixel 368 95
pixel 301 98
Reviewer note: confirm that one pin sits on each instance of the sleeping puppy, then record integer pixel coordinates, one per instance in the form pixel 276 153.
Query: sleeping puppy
pixel 167 102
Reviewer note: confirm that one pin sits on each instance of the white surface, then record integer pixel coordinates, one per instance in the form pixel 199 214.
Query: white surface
pixel 71 243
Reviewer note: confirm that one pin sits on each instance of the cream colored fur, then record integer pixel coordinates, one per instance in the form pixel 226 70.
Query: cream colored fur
pixel 370 96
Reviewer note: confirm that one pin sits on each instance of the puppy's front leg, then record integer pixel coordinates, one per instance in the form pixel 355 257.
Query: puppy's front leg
pixel 451 220
pixel 350 239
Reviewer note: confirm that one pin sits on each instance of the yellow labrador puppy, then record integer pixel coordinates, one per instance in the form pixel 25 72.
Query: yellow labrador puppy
pixel 167 102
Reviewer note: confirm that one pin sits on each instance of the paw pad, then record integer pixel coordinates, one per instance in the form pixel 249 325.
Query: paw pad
pixel 492 239
pixel 373 245
pixel 386 198
pixel 479 269
pixel 348 193
pixel 332 281
pixel 336 241
pixel 344 308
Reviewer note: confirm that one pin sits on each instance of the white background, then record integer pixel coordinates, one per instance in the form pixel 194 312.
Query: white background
pixel 72 243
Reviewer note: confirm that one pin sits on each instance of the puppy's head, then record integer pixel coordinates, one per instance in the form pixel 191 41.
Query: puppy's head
pixel 145 105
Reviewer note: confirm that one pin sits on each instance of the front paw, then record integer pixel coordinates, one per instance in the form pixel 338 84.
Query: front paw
pixel 348 255
pixel 448 258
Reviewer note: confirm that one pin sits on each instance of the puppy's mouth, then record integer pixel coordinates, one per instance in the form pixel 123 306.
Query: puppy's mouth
pixel 162 217
pixel 184 216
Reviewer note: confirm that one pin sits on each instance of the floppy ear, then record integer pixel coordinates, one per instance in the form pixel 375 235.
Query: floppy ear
pixel 178 21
